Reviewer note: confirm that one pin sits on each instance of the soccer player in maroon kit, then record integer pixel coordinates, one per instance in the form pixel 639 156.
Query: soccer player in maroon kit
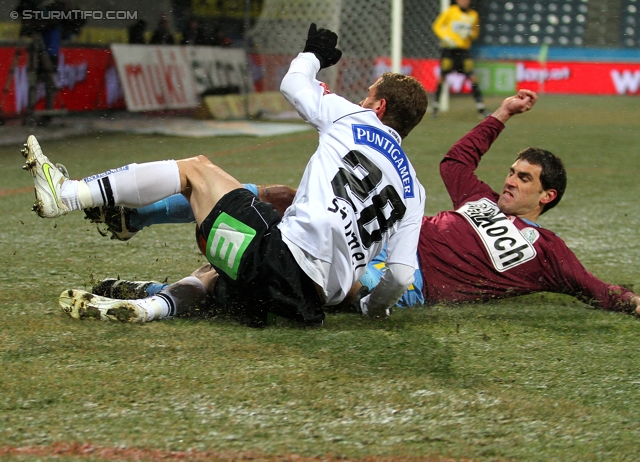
pixel 491 246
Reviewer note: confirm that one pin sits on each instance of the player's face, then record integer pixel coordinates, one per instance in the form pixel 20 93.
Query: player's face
pixel 463 4
pixel 522 193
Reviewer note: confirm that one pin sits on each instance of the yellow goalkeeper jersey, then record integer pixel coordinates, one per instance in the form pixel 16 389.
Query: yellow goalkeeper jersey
pixel 456 28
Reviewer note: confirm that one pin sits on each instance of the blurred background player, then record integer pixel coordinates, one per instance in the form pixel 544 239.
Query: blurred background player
pixel 456 28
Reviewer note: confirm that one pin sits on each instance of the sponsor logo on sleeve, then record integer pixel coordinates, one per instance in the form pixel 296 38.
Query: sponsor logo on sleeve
pixel 506 245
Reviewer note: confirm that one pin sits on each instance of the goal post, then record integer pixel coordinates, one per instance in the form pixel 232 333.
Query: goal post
pixel 396 35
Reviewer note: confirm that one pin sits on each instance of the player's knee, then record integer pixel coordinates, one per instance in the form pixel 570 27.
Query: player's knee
pixel 201 161
pixel 201 166
pixel 192 164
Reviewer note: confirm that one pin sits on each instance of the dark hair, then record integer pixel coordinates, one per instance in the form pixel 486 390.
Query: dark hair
pixel 406 101
pixel 553 174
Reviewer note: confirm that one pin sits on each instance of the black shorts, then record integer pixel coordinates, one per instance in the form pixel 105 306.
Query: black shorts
pixel 258 274
pixel 456 59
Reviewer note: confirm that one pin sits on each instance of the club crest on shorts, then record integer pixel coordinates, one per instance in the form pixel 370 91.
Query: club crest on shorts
pixel 227 242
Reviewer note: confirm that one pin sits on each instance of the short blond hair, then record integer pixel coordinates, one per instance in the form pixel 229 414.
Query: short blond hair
pixel 406 101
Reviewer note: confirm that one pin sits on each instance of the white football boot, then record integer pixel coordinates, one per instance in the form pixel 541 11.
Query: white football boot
pixel 47 180
pixel 80 304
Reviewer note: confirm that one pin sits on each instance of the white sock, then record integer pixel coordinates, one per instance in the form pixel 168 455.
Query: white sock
pixel 76 195
pixel 69 194
pixel 195 283
pixel 165 304
pixel 159 306
pixel 134 185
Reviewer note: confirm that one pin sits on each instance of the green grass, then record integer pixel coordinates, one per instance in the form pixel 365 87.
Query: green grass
pixel 534 378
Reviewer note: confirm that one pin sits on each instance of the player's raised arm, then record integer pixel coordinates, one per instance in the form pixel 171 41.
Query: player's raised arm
pixel 299 86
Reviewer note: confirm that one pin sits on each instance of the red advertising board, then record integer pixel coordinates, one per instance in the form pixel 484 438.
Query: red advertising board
pixel 87 79
pixel 580 78
pixel 427 71
pixel 155 77
pixel 158 77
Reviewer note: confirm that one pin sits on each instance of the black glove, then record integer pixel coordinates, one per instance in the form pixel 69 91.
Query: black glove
pixel 322 43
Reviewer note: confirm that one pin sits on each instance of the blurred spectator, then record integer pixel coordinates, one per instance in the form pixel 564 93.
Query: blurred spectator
pixel 71 25
pixel 162 35
pixel 136 32
pixel 28 26
pixel 43 49
pixel 193 34
pixel 51 31
pixel 219 39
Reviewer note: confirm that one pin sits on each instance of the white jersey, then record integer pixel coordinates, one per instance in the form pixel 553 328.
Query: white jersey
pixel 358 192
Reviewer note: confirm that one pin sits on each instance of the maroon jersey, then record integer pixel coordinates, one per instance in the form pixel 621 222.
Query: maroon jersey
pixel 477 253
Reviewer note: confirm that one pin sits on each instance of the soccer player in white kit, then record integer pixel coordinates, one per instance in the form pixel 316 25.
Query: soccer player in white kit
pixel 359 192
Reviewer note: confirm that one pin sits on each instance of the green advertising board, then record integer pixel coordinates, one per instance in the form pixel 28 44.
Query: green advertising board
pixel 496 78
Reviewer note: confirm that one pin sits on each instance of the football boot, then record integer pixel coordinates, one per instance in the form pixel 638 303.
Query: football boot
pixel 114 218
pixel 47 181
pixel 80 304
pixel 122 289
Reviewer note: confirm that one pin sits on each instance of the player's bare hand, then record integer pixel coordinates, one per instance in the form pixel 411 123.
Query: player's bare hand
pixel 202 270
pixel 522 101
pixel 207 275
pixel 635 300
pixel 209 280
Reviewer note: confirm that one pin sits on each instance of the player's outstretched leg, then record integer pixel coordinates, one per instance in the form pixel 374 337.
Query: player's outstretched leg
pixel 477 96
pixel 47 180
pixel 181 297
pixel 122 223
pixel 132 185
pixel 80 304
pixel 435 105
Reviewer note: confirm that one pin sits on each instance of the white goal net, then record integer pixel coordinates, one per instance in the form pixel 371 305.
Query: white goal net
pixel 364 30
